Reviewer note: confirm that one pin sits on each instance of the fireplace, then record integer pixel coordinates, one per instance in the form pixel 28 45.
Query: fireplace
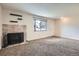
pixel 14 38
pixel 13 34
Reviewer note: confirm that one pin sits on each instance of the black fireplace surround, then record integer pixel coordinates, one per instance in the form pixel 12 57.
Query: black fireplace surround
pixel 14 38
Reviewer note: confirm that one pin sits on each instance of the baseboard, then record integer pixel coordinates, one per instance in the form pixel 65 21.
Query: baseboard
pixel 68 38
pixel 56 36
pixel 50 37
pixel 64 37
pixel 41 38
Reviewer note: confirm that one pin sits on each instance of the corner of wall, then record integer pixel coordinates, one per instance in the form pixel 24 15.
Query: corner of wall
pixel 0 26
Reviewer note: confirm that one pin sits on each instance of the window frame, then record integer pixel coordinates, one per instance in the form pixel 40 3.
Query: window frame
pixel 41 19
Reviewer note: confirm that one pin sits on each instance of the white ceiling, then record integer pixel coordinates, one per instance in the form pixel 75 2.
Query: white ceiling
pixel 53 10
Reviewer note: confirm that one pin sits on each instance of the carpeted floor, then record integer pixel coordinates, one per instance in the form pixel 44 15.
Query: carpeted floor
pixel 44 47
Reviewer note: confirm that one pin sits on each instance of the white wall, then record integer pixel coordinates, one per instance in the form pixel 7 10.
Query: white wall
pixel 68 27
pixel 0 26
pixel 28 21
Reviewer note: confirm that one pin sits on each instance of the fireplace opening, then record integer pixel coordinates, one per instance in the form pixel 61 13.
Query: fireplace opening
pixel 14 38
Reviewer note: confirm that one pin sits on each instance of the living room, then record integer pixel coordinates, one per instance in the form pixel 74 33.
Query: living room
pixel 47 29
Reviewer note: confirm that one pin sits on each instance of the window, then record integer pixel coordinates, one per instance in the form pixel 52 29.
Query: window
pixel 40 23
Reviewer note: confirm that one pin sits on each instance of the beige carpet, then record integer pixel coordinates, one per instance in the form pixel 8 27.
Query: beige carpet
pixel 44 47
